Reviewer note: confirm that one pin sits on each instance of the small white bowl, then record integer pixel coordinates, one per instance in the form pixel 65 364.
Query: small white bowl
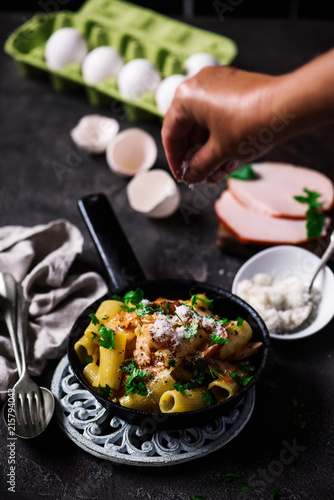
pixel 284 261
pixel 131 151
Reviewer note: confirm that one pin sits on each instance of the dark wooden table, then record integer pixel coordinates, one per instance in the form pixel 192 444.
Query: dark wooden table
pixel 294 400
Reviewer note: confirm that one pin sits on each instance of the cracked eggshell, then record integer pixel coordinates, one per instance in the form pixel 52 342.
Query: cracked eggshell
pixel 131 151
pixel 101 63
pixel 136 77
pixel 94 132
pixel 165 92
pixel 198 61
pixel 154 194
pixel 65 46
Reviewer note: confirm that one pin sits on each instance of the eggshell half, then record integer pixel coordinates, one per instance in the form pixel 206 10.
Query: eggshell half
pixel 198 61
pixel 100 63
pixel 165 92
pixel 131 151
pixel 65 46
pixel 136 77
pixel 94 132
pixel 154 194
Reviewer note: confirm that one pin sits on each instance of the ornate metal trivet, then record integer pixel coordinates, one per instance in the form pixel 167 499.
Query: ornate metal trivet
pixel 94 429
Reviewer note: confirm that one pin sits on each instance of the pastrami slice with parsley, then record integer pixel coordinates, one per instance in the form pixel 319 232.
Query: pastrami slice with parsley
pixel 273 189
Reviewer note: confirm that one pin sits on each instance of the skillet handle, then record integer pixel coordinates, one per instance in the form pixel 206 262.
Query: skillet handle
pixel 111 243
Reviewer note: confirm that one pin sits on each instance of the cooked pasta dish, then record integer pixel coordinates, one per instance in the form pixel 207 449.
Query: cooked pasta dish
pixel 165 355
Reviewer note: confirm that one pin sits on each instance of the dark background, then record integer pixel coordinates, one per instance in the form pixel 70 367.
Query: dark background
pixel 284 9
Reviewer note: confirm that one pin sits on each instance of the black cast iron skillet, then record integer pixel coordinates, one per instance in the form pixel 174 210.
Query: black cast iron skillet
pixel 125 274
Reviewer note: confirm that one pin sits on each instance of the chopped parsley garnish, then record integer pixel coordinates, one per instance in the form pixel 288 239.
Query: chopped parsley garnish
pixel 194 298
pixel 227 478
pixel 240 321
pixel 209 398
pixel 95 336
pixel 168 307
pixel 275 493
pixel 180 319
pixel 127 308
pixel 245 489
pixel 107 337
pixel 214 370
pixel 87 360
pixel 314 217
pixel 239 380
pixel 190 331
pixel 197 371
pixel 223 321
pixel 215 339
pixel 95 320
pixel 198 497
pixel 143 309
pixel 246 367
pixel 178 386
pixel 293 469
pixel 135 381
pixel 134 296
pixel 245 173
pixel 106 391
pixel 171 362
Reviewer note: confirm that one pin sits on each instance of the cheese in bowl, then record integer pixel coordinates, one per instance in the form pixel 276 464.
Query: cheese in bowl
pixel 165 355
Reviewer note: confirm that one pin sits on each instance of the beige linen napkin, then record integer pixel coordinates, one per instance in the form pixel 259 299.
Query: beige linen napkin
pixel 40 258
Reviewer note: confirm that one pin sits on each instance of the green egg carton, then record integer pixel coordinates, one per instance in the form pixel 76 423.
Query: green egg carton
pixel 132 30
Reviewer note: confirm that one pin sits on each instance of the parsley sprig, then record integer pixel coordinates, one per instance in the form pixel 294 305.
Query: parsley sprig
pixel 135 381
pixel 133 296
pixel 94 319
pixel 144 309
pixel 314 217
pixel 107 339
pixel 209 398
pixel 106 391
pixel 197 371
pixel 240 380
pixel 245 173
pixel 190 331
pixel 215 339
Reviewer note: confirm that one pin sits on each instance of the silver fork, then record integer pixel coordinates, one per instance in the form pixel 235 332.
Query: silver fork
pixel 34 405
pixel 27 393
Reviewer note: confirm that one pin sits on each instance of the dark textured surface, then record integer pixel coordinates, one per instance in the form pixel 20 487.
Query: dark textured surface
pixel 34 139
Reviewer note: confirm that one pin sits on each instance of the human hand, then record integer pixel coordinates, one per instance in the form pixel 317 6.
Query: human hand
pixel 223 109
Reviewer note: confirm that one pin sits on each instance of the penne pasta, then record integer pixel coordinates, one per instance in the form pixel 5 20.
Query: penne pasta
pixel 167 355
pixel 110 372
pixel 174 401
pixel 85 347
pixel 156 387
pixel 91 372
pixel 222 389
pixel 238 336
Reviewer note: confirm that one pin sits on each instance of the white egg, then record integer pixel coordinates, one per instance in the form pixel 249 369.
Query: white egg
pixel 131 151
pixel 94 132
pixel 198 61
pixel 101 63
pixel 165 92
pixel 136 77
pixel 154 194
pixel 65 46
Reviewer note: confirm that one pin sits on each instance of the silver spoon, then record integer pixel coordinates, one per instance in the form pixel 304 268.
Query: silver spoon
pixel 27 418
pixel 324 259
pixel 309 285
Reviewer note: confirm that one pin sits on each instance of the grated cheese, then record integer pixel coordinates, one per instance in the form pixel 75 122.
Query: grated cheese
pixel 283 305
